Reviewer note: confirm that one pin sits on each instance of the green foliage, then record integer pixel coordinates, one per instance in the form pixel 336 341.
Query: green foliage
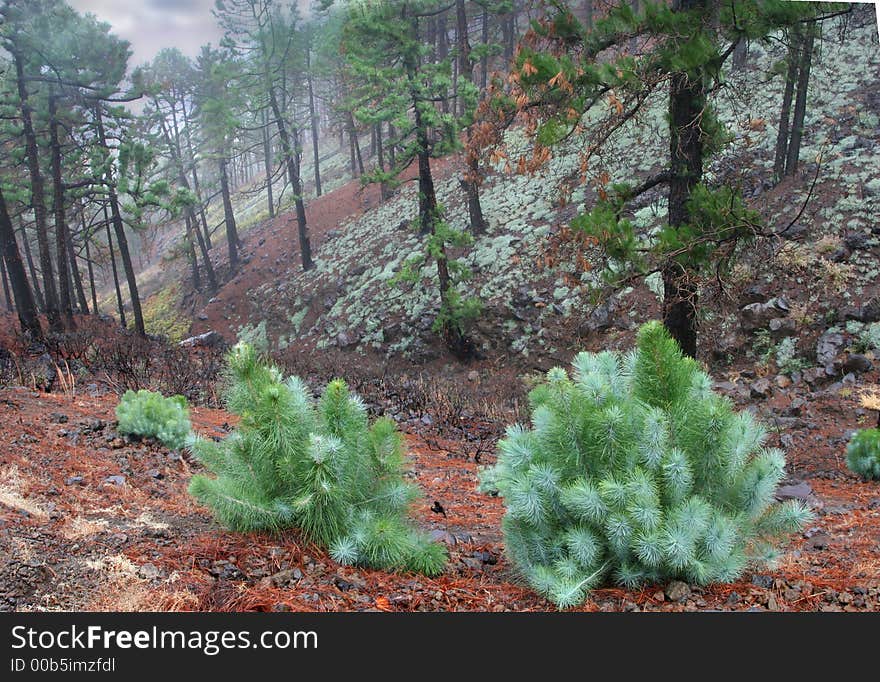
pixel 635 471
pixel 868 338
pixel 255 336
pixel 863 454
pixel 319 466
pixel 787 360
pixel 146 413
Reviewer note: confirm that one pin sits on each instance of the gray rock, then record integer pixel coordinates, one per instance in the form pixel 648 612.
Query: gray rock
pixel 677 591
pixel 858 241
pixel 799 491
pixel 827 348
pixel 758 315
pixel 210 339
pixel 856 362
pixel 782 326
pixel 115 480
pixel 149 572
pixel 58 418
pixel 760 388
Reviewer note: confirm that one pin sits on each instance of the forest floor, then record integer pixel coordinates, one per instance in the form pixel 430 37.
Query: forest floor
pixel 92 520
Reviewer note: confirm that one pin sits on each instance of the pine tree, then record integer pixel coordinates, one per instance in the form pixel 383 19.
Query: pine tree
pixel 318 466
pixel 635 471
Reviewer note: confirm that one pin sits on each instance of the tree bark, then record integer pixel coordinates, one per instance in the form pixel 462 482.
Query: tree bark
pixel 35 280
pixel 267 158
pixel 313 120
pixel 800 105
pixel 687 100
pixel 7 294
pixel 292 163
pixel 785 114
pixel 24 301
pixel 121 239
pixel 229 217
pixel 89 267
pixel 38 199
pixel 119 305
pixel 65 300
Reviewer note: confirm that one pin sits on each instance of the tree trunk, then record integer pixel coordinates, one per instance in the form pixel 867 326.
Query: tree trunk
pixel 267 158
pixel 77 278
pixel 65 300
pixel 9 254
pixel 195 175
pixel 484 60
pixel 35 280
pixel 313 121
pixel 121 240
pixel 191 253
pixel 785 114
pixel 229 217
pixel 89 267
pixel 292 163
pixel 588 13
pixel 38 200
pixel 466 69
pixel 380 156
pixel 119 305
pixel 800 105
pixel 7 295
pixel 687 100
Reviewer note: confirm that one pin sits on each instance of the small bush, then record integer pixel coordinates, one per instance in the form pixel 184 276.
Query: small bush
pixel 863 454
pixel 635 471
pixel 150 414
pixel 319 466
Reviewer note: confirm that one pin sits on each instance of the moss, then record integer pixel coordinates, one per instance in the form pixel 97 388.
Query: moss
pixel 162 315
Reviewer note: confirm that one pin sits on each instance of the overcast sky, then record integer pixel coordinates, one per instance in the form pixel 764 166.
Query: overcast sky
pixel 150 25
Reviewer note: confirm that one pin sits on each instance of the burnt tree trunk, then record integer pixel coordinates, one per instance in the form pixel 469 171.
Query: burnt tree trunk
pixel 785 114
pixel 121 239
pixel 38 199
pixel 229 216
pixel 313 121
pixel 9 254
pixel 800 105
pixel 291 160
pixel 687 101
pixel 65 300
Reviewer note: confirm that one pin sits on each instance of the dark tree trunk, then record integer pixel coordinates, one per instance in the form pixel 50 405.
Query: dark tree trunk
pixel 119 305
pixel 380 156
pixel 9 254
pixel 588 13
pixel 121 239
pixel 7 295
pixel 267 158
pixel 800 104
pixel 687 101
pixel 229 217
pixel 313 120
pixel 38 200
pixel 65 299
pixel 35 280
pixel 89 266
pixel 469 181
pixel 191 253
pixel 195 175
pixel 785 113
pixel 484 60
pixel 291 157
pixel 77 279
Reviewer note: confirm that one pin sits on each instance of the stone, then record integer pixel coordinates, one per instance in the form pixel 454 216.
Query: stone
pixel 856 362
pixel 799 491
pixel 209 339
pixel 857 241
pixel 115 480
pixel 149 572
pixel 58 418
pixel 782 326
pixel 473 375
pixel 285 577
pixel 782 381
pixel 74 480
pixel 760 389
pixel 678 591
pixel 758 315
pixel 827 347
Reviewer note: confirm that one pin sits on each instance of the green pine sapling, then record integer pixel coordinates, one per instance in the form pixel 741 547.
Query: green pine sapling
pixel 863 454
pixel 635 471
pixel 149 414
pixel 318 466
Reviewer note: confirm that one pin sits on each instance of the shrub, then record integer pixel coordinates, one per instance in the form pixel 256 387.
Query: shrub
pixel 318 466
pixel 150 414
pixel 863 453
pixel 635 471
